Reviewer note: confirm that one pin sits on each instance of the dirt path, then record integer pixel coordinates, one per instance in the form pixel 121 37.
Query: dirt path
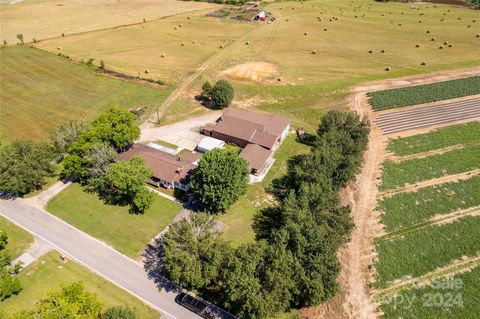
pixel 189 80
pixel 397 159
pixel 431 182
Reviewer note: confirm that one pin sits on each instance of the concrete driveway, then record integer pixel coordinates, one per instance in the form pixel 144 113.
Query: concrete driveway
pixel 184 134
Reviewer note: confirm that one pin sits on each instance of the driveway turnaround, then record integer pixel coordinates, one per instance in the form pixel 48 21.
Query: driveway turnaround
pixel 448 111
pixel 100 258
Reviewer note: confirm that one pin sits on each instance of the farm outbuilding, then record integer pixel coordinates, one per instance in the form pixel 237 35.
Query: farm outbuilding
pixel 209 143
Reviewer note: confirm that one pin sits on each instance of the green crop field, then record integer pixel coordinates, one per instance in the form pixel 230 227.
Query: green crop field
pixel 387 99
pixel 438 139
pixel 459 298
pixel 420 252
pixel 39 91
pixel 407 209
pixel 50 273
pixel 422 169
pixel 18 239
pixel 128 233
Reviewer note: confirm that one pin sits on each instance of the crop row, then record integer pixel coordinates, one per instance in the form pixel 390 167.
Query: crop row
pixel 421 252
pixel 412 95
pixel 406 209
pixel 422 169
pixel 457 297
pixel 438 139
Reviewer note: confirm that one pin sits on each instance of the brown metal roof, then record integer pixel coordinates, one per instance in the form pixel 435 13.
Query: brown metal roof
pixel 256 156
pixel 261 129
pixel 165 166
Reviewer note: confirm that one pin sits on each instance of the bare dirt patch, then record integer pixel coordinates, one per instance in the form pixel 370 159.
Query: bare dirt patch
pixel 252 71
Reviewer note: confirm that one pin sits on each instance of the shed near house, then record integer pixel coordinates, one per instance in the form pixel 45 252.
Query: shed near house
pixel 169 170
pixel 209 143
pixel 257 158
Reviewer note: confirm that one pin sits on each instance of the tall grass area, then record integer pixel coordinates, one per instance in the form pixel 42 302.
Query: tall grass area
pixel 40 90
pixel 128 233
pixel 388 99
pixel 467 305
pixel 438 139
pixel 50 273
pixel 422 169
pixel 418 253
pixel 407 209
pixel 18 239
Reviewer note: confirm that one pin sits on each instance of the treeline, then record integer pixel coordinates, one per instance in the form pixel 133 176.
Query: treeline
pixel 293 261
pixel 87 153
pixel 234 2
pixel 9 284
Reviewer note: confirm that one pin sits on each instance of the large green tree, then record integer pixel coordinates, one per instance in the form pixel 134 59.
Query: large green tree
pixel 116 128
pixel 125 184
pixel 9 285
pixel 220 179
pixel 193 252
pixel 24 165
pixel 65 135
pixel 222 94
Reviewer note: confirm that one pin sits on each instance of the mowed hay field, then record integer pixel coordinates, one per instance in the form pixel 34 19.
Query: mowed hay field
pixel 39 91
pixel 168 49
pixel 433 231
pixel 42 19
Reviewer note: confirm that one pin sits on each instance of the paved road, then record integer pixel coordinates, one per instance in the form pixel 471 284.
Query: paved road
pixel 429 115
pixel 97 256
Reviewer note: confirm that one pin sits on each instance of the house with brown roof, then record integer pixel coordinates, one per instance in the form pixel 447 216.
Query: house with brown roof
pixel 169 170
pixel 259 134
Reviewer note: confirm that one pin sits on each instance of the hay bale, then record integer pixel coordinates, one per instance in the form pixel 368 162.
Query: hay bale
pixel 469 26
pixel 247 42
pixel 175 28
pixel 478 35
pixel 417 45
pixel 325 29
pixel 194 42
pixel 440 47
pixel 419 21
pixel 221 46
pixel 146 71
pixel 287 19
pixel 163 55
pixel 423 63
pixel 399 24
pixel 180 25
pixel 183 44
pixel 433 39
pixel 450 45
pixel 279 79
pixel 305 33
pixel 314 52
pixel 370 51
pixel 388 68
pixel 428 31
pixel 188 18
pixel 445 43
pixel 383 51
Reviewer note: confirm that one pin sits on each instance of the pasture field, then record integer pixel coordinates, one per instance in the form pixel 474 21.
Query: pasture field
pixel 128 233
pixel 435 140
pixel 421 169
pixel 407 209
pixel 42 19
pixel 39 91
pixel 467 306
pixel 426 93
pixel 309 83
pixel 168 49
pixel 50 273
pixel 18 239
pixel 424 251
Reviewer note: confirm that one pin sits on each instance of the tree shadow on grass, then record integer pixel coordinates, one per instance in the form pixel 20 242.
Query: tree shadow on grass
pixel 153 265
pixel 206 102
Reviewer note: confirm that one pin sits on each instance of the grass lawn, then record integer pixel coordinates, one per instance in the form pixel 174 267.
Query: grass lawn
pixel 438 139
pixel 422 169
pixel 18 239
pixel 238 218
pixel 388 99
pixel 128 233
pixel 420 252
pixel 406 209
pixel 466 295
pixel 40 91
pixel 50 273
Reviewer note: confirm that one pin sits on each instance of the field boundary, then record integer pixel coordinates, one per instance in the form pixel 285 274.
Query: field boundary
pixel 398 159
pixel 431 182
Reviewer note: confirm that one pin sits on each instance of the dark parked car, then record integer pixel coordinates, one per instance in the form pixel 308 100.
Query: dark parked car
pixel 196 305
